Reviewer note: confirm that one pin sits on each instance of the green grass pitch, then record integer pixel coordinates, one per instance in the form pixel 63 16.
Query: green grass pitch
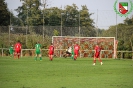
pixel 65 73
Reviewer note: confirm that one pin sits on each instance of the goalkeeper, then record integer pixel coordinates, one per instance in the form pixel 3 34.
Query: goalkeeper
pixel 68 52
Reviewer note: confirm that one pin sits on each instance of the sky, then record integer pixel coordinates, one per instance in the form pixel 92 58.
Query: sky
pixel 103 10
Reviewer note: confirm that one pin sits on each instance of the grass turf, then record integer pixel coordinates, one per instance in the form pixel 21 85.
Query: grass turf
pixel 65 73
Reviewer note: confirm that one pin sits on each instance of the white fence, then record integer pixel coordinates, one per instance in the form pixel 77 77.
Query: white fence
pixel 30 52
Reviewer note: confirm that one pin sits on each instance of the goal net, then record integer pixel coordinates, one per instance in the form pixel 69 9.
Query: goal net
pixel 87 44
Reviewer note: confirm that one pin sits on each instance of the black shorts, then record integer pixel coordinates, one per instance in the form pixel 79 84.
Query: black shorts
pixel 68 52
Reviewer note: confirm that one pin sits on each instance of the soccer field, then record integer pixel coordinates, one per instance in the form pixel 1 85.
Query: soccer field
pixel 65 73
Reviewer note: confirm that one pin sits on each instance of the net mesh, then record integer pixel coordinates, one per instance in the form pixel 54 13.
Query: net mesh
pixel 87 44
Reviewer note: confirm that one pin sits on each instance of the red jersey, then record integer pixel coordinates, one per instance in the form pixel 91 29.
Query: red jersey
pixel 51 48
pixel 97 49
pixel 17 46
pixel 76 48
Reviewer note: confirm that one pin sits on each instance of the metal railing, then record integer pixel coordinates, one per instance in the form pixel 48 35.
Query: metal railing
pixel 59 53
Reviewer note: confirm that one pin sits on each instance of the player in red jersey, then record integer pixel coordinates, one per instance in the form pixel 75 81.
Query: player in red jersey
pixel 17 48
pixel 76 51
pixel 97 54
pixel 51 51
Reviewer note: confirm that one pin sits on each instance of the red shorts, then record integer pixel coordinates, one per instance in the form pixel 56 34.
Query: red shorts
pixel 17 51
pixel 76 53
pixel 51 53
pixel 97 55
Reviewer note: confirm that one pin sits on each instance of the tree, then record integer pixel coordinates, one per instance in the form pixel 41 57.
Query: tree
pixel 4 14
pixel 72 17
pixel 55 32
pixel 124 34
pixel 128 21
pixel 29 12
pixel 52 16
pixel 85 17
pixel 86 22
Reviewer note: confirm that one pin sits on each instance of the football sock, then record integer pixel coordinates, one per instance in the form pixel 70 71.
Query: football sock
pixel 71 56
pixel 94 61
pixel 74 57
pixel 50 58
pixel 35 58
pixel 40 58
pixel 100 60
pixel 18 56
pixel 14 56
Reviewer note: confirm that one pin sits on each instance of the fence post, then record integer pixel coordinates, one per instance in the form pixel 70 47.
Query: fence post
pixel 80 54
pixel 132 55
pixel 2 52
pixel 21 52
pixel 60 53
pixel 101 53
pixel 121 55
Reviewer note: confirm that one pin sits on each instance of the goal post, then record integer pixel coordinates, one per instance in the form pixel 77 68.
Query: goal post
pixel 87 44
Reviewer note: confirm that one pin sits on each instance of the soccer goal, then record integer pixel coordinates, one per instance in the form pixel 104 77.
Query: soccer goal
pixel 87 44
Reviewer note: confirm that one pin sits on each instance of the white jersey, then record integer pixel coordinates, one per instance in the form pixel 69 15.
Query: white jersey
pixel 70 49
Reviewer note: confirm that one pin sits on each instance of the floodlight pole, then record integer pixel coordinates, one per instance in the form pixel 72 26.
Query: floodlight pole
pixel 27 22
pixel 43 25
pixel 96 25
pixel 79 31
pixel 61 23
pixel 27 27
pixel 79 23
pixel 116 26
pixel 43 18
pixel 44 6
pixel 115 56
pixel 10 26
